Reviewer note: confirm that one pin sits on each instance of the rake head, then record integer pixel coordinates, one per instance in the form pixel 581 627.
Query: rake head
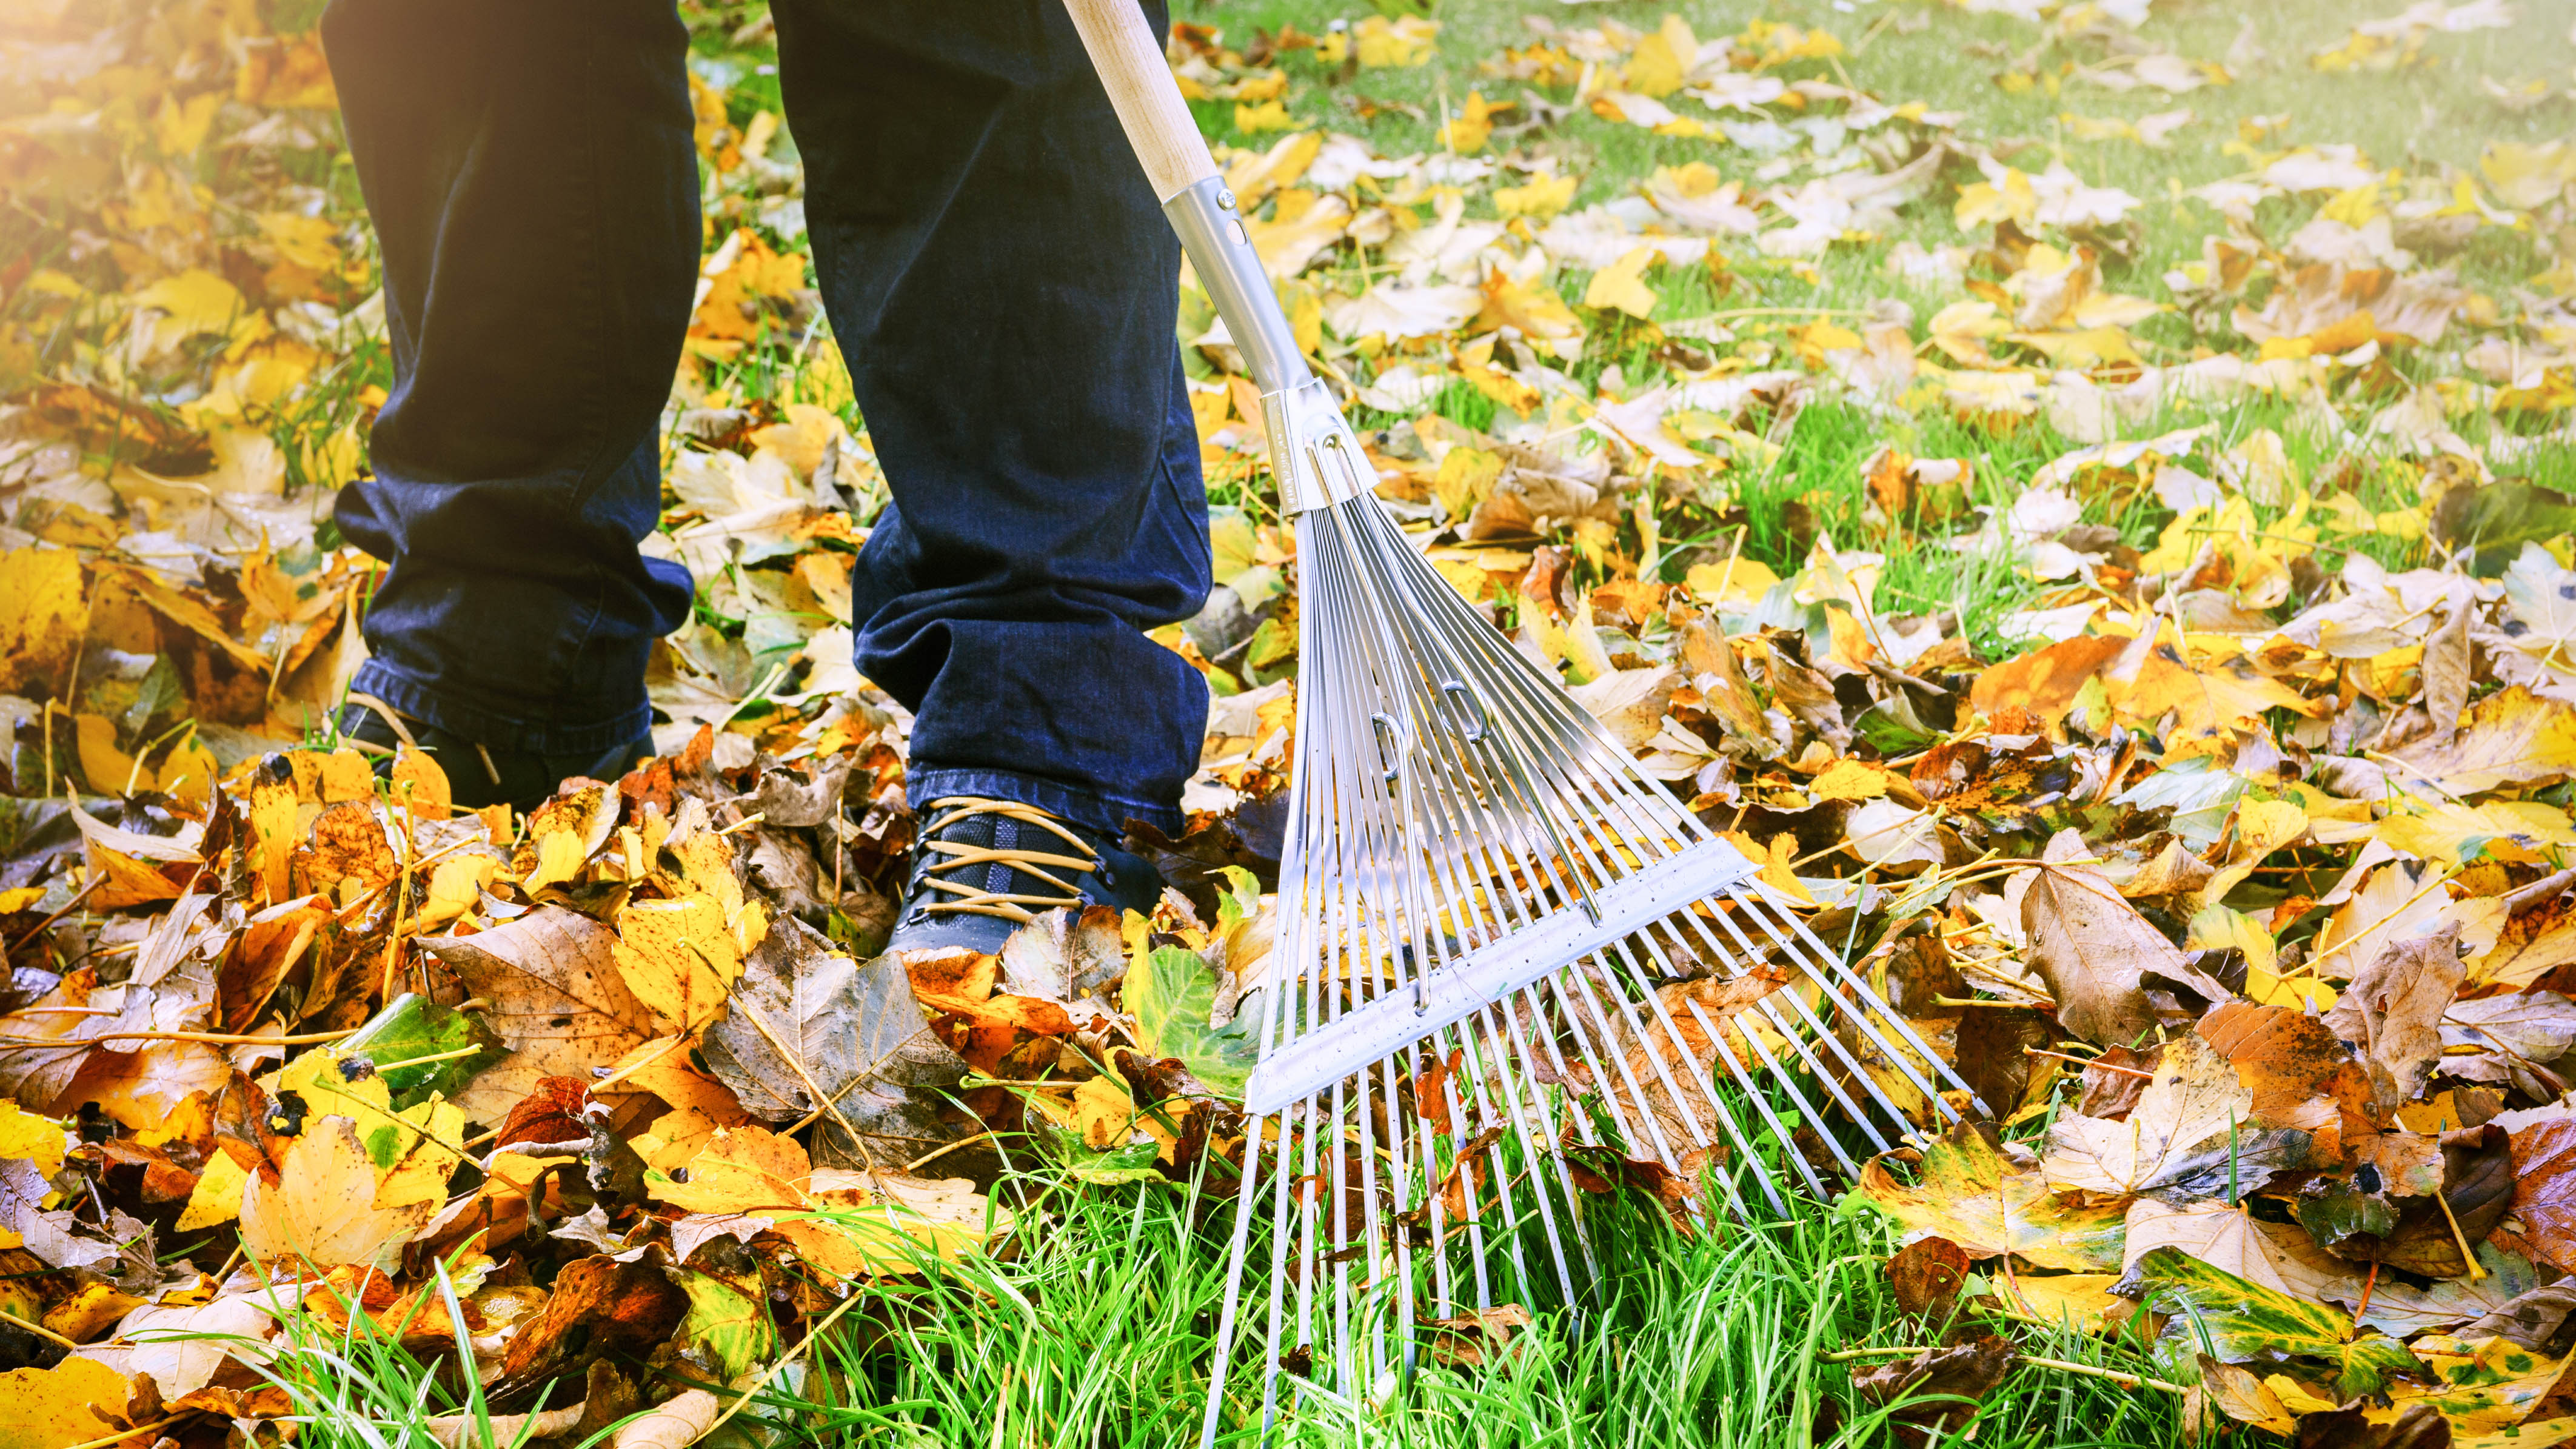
pixel 1503 950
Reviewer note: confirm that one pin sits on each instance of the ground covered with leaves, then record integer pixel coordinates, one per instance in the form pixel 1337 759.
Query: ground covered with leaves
pixel 2082 492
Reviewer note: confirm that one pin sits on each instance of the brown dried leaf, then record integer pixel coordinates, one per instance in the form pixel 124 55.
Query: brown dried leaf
pixel 556 997
pixel 2091 947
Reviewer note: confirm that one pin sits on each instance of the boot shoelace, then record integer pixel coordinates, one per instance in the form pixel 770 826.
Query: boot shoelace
pixel 961 857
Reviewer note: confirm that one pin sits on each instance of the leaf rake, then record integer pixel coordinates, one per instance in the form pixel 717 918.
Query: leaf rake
pixel 1503 949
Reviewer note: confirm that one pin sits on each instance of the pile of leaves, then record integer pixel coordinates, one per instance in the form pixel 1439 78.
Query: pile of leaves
pixel 2172 702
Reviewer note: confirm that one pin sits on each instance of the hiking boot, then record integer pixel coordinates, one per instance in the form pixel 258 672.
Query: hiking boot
pixel 984 868
pixel 476 775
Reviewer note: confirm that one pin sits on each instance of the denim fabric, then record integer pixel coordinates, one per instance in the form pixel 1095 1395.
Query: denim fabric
pixel 999 277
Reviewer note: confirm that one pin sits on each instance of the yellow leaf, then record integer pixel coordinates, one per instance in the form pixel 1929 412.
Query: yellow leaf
pixel 1406 42
pixel 322 1209
pixel 310 242
pixel 1738 583
pixel 2082 1301
pixel 678 957
pixel 107 769
pixel 1849 780
pixel 2517 832
pixel 559 860
pixel 1535 309
pixel 1983 203
pixel 1467 132
pixel 1663 58
pixel 74 1403
pixel 1267 116
pixel 218 1194
pixel 1622 285
pixel 190 304
pixel 44 611
pixel 26 1137
pixel 1539 198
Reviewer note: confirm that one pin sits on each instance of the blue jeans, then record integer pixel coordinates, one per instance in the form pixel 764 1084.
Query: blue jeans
pixel 1000 280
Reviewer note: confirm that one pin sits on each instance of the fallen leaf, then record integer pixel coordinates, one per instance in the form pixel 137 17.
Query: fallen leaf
pixel 2092 948
pixel 1992 1199
pixel 555 998
pixel 812 1030
pixel 321 1209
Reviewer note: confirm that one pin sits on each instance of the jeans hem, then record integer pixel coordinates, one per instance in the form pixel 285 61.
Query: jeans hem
pixel 1083 807
pixel 415 700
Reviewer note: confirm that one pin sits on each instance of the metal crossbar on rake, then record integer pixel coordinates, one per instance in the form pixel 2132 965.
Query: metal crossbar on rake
pixel 1502 946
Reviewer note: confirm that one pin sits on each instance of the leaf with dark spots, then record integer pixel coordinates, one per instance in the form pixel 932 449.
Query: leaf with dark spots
pixel 598 1307
pixel 2542 1320
pixel 1936 1392
pixel 2242 1321
pixel 2301 1075
pixel 1926 1275
pixel 2420 1427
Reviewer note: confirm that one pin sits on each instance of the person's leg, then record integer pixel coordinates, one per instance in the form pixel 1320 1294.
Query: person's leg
pixel 1003 285
pixel 534 187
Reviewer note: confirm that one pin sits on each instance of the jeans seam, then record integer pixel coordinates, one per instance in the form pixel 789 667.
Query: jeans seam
pixel 409 697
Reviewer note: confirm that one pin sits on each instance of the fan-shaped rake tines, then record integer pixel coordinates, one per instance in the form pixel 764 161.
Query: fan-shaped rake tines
pixel 1503 949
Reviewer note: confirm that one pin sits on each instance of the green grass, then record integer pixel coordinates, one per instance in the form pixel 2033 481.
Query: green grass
pixel 1098 1329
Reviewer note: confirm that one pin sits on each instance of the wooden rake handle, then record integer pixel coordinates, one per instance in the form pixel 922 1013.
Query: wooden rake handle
pixel 1141 88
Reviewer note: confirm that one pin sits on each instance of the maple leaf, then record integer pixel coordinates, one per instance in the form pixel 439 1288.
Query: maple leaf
pixel 1990 1199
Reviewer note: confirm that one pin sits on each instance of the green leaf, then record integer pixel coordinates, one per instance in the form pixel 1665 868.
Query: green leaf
pixel 2242 1321
pixel 1171 993
pixel 1242 898
pixel 729 1319
pixel 412 1041
pixel 2499 517
pixel 1130 1161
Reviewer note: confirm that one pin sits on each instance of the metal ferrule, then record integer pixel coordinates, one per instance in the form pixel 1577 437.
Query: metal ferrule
pixel 1221 252
pixel 1313 452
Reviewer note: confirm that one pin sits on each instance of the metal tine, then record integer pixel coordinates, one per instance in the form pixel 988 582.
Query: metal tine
pixel 1795 1038
pixel 1796 938
pixel 1779 1130
pixel 1689 1118
pixel 1310 809
pixel 1806 1108
pixel 1419 930
pixel 1282 1183
pixel 1548 1130
pixel 1436 645
pixel 1513 904
pixel 1630 796
pixel 1479 860
pixel 1428 939
pixel 1867 1022
pixel 1672 1037
pixel 1823 1035
pixel 1473 1059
